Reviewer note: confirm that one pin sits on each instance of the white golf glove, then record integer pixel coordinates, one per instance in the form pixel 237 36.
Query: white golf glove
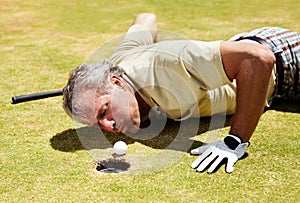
pixel 213 154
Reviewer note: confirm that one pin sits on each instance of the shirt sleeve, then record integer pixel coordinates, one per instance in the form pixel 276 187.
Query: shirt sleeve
pixel 136 36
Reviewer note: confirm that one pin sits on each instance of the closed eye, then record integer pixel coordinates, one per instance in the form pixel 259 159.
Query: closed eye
pixel 103 112
pixel 101 115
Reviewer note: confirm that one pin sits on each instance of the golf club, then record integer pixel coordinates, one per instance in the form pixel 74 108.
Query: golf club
pixel 36 96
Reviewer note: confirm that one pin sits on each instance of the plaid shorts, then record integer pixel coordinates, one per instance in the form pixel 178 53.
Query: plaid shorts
pixel 285 45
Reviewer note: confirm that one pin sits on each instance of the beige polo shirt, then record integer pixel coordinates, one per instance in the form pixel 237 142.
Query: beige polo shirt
pixel 185 78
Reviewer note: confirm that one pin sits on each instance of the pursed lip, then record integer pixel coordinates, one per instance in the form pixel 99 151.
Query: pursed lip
pixel 121 129
pixel 118 130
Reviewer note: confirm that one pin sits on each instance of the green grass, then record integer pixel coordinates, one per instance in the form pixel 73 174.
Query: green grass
pixel 41 156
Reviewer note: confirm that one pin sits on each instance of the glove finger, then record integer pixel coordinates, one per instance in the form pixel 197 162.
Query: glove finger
pixel 200 150
pixel 229 166
pixel 196 163
pixel 215 165
pixel 206 162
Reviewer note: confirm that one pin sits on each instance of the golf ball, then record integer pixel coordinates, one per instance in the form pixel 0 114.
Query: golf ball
pixel 120 147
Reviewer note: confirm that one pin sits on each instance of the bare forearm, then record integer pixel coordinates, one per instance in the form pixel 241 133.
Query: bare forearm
pixel 148 20
pixel 251 97
pixel 251 66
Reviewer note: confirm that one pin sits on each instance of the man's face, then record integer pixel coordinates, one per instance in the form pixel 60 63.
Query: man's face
pixel 117 112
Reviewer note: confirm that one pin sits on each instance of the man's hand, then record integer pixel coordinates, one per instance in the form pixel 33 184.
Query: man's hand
pixel 212 155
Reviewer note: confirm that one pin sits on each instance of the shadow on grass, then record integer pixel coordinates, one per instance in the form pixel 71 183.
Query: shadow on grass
pixel 285 105
pixel 87 138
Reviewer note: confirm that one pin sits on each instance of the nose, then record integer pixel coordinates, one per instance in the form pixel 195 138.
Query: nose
pixel 107 124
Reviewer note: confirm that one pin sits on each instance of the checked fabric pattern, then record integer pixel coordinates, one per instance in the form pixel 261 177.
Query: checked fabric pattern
pixel 285 44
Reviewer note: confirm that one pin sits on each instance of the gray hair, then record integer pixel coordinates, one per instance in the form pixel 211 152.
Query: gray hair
pixel 87 78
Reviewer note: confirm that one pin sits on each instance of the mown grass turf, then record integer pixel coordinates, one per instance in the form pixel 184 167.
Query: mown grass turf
pixel 41 156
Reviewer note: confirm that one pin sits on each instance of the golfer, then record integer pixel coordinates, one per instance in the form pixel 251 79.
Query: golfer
pixel 187 78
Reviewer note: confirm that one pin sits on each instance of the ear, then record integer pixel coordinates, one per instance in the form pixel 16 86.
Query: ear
pixel 121 83
pixel 116 80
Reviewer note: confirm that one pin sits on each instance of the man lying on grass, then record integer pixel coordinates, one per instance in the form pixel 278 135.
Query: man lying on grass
pixel 187 78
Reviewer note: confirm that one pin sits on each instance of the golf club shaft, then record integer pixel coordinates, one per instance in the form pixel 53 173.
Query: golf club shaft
pixel 36 96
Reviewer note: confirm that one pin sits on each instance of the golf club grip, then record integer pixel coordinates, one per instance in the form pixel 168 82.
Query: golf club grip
pixel 36 96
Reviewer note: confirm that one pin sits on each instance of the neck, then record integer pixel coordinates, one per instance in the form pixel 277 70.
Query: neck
pixel 144 108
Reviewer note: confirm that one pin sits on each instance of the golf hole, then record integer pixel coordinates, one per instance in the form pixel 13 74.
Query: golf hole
pixel 113 165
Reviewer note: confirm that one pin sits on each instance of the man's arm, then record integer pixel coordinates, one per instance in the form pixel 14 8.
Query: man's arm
pixel 251 65
pixel 137 36
pixel 148 20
